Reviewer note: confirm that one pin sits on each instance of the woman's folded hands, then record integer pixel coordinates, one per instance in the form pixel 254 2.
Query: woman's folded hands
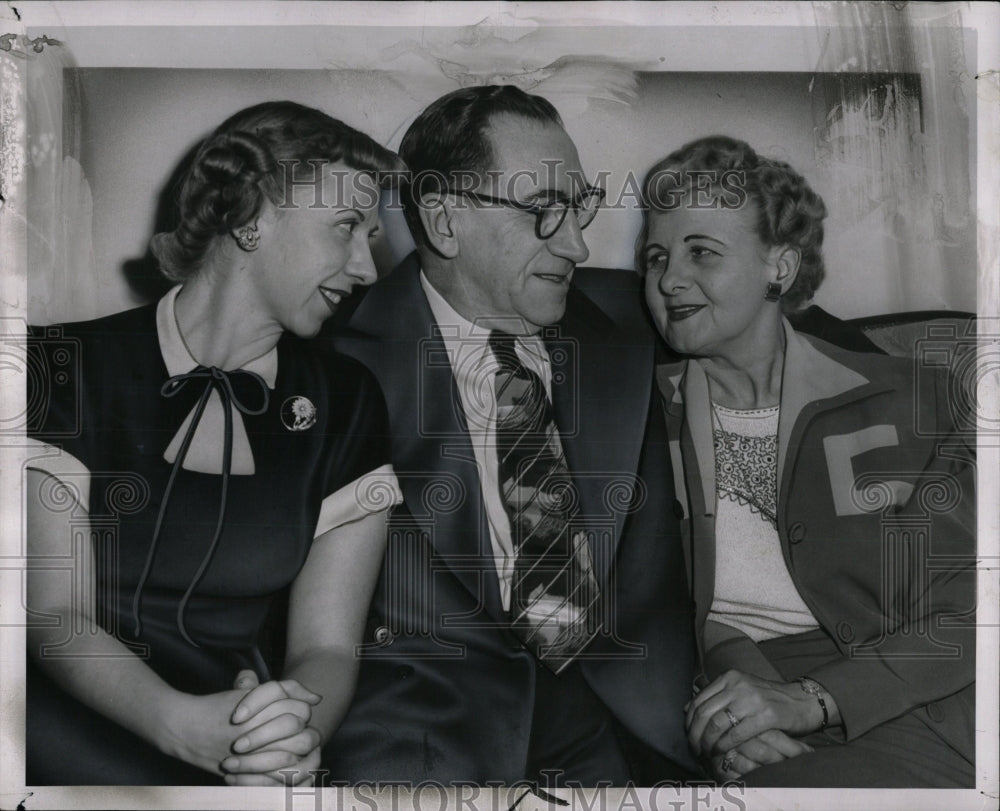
pixel 275 735
pixel 742 721
pixel 249 734
pixel 770 746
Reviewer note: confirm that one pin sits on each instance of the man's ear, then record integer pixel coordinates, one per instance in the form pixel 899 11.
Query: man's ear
pixel 787 259
pixel 436 214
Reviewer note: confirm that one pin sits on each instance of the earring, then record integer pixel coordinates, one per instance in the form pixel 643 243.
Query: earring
pixel 248 237
pixel 772 292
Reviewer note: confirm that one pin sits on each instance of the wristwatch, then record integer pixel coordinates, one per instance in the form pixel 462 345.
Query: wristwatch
pixel 813 688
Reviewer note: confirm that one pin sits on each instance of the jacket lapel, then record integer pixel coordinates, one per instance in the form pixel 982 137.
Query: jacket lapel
pixel 698 415
pixel 600 396
pixel 698 449
pixel 669 379
pixel 808 376
pixel 432 454
pixel 812 381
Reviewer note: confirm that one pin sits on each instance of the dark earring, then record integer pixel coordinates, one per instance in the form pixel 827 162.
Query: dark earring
pixel 248 237
pixel 772 292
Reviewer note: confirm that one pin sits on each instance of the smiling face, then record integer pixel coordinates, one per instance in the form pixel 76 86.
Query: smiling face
pixel 315 252
pixel 706 272
pixel 503 274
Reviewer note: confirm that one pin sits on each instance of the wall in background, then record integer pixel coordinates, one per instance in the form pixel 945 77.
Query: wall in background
pixel 894 240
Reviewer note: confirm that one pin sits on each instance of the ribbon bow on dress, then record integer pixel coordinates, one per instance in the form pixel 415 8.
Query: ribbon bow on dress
pixel 221 382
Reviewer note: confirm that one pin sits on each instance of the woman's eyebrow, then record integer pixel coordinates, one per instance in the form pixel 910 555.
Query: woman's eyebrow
pixel 689 237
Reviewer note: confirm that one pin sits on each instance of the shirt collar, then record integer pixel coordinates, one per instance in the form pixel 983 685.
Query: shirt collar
pixel 175 353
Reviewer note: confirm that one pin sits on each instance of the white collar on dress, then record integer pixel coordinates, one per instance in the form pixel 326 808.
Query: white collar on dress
pixel 178 359
pixel 206 450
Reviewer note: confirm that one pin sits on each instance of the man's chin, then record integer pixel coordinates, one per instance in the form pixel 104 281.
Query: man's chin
pixel 539 318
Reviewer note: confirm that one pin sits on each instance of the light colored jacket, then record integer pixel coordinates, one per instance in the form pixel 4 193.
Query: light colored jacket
pixel 876 518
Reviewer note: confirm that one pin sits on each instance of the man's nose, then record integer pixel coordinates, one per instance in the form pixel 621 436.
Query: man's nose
pixel 568 242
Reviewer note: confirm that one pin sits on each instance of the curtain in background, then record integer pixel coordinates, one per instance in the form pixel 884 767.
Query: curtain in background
pixel 60 254
pixel 896 132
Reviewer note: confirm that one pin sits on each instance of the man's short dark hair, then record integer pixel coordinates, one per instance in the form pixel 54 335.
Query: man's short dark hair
pixel 449 140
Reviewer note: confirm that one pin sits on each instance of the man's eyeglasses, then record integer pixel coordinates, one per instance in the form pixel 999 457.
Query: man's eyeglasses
pixel 549 216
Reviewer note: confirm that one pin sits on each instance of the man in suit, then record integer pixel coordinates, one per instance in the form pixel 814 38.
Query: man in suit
pixel 531 618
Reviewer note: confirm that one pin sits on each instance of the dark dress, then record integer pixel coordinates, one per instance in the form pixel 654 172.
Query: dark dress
pixel 104 406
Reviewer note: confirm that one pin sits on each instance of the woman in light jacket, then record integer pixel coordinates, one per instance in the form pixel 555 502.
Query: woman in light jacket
pixel 828 499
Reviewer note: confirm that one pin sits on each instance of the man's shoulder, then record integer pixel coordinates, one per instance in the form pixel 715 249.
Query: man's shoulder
pixel 606 306
pixel 391 308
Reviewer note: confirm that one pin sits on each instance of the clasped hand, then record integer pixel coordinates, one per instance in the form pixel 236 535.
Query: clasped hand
pixel 742 721
pixel 249 733
pixel 273 733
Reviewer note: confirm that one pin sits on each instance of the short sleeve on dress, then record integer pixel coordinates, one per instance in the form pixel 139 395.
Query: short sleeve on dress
pixel 65 467
pixel 373 492
pixel 55 409
pixel 360 479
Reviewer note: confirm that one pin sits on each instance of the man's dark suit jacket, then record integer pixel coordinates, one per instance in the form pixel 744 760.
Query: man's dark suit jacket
pixel 446 691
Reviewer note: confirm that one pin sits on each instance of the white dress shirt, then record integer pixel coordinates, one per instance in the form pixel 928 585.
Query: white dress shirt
pixel 474 368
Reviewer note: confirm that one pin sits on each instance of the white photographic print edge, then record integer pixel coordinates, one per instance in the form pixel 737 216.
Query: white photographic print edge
pixel 614 70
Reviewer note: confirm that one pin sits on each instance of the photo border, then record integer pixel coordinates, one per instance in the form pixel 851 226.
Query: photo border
pixel 97 35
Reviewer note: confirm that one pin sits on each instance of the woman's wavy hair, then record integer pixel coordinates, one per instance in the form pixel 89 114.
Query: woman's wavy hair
pixel 244 161
pixel 731 172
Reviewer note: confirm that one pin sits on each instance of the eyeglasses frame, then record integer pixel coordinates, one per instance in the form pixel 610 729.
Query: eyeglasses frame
pixel 538 209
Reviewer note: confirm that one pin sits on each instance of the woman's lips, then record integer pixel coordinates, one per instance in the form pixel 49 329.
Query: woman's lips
pixel 333 296
pixel 679 313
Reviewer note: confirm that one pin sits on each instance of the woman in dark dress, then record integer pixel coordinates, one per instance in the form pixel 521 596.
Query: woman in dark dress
pixel 214 493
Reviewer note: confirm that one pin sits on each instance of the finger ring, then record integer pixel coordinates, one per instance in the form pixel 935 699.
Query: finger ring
pixel 727 762
pixel 732 718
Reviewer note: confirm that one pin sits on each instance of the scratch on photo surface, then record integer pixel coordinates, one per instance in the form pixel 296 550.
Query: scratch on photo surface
pixel 480 55
pixel 819 61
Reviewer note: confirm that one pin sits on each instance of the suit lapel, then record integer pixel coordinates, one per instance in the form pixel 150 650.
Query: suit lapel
pixel 597 382
pixel 432 454
pixel 600 395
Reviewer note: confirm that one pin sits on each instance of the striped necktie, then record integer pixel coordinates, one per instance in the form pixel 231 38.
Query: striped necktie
pixel 553 589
